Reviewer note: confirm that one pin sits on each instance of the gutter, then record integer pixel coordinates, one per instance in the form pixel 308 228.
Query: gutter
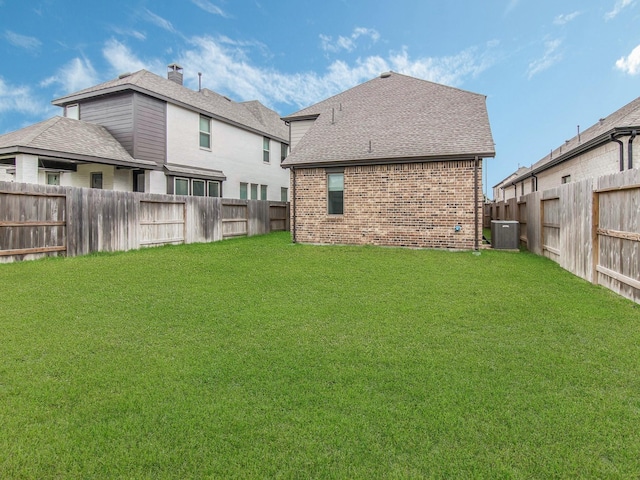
pixel 630 151
pixel 614 139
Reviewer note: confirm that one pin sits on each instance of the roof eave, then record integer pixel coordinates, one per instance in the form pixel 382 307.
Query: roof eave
pixel 75 157
pixel 580 149
pixel 387 160
pixel 294 118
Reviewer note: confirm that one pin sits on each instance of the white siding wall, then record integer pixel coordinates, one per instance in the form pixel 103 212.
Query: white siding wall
pixel 603 160
pixel 236 152
pixel 298 130
pixel 4 176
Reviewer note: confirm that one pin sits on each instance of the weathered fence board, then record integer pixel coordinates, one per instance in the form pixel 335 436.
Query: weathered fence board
pixel 591 228
pixel 42 220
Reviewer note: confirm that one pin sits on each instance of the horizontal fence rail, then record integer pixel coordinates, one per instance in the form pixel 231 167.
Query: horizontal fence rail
pixel 591 228
pixel 44 220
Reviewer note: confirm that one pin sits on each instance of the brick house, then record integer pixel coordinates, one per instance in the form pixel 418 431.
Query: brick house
pixel 602 149
pixel 394 161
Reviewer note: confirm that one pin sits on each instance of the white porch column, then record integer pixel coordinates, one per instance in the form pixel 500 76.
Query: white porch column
pixel 155 182
pixel 26 168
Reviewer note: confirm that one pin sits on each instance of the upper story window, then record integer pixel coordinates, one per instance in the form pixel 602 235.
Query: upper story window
pixel 205 132
pixel 266 144
pixel 284 150
pixel 72 111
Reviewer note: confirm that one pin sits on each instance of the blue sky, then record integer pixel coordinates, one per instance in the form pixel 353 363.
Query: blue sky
pixel 545 66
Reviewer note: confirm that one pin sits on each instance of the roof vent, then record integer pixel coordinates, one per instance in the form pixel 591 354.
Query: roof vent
pixel 124 75
pixel 385 74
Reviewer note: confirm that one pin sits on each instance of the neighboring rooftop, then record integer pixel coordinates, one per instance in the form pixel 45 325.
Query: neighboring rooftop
pixel 394 116
pixel 246 115
pixel 61 137
pixel 623 120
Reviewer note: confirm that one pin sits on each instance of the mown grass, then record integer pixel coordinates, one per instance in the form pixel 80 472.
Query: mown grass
pixel 255 358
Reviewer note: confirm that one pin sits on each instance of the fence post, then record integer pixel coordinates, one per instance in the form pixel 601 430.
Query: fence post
pixel 595 239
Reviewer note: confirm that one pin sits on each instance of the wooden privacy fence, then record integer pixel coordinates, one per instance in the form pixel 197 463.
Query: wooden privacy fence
pixel 43 220
pixel 591 228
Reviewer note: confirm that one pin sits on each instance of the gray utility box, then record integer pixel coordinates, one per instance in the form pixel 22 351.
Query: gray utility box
pixel 505 234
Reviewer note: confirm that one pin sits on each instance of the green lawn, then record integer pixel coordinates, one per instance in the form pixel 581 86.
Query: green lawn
pixel 256 358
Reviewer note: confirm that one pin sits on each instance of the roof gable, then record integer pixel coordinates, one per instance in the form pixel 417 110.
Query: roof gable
pixel 394 117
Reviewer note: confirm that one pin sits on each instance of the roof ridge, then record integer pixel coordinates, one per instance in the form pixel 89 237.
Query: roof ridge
pixel 41 128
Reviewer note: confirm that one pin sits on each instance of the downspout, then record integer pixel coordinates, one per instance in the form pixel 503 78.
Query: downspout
pixel 614 139
pixel 475 192
pixel 295 204
pixel 630 151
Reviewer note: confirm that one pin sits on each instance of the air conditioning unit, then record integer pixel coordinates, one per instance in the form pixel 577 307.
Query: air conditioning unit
pixel 505 234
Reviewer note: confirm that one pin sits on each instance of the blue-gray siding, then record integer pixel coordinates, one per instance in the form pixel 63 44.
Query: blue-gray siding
pixel 115 113
pixel 150 132
pixel 137 121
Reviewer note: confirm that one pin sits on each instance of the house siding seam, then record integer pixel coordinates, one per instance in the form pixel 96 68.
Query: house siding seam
pixel 407 205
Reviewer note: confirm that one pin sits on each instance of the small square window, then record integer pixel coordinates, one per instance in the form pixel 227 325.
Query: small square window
pixel 214 189
pixel 181 186
pixel 96 180
pixel 243 191
pixel 197 188
pixel 205 132
pixel 566 179
pixel 53 179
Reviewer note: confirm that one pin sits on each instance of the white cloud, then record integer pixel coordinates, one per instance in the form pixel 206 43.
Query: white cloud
pixel 511 6
pixel 348 43
pixel 551 57
pixel 617 8
pixel 122 59
pixel 631 63
pixel 207 6
pixel 130 33
pixel 17 99
pixel 22 41
pixel 227 70
pixel 159 21
pixel 563 19
pixel 75 75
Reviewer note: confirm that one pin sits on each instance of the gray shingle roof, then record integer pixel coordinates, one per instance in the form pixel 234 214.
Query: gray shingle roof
pixel 403 118
pixel 628 117
pixel 63 137
pixel 242 114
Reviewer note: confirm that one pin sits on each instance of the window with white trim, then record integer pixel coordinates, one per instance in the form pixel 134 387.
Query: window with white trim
pixel 198 188
pixel 263 192
pixel 205 132
pixel 254 191
pixel 266 145
pixel 284 151
pixel 566 179
pixel 244 188
pixel 53 178
pixel 284 194
pixel 181 186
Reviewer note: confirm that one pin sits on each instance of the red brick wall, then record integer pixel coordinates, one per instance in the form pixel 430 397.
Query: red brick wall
pixel 409 205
